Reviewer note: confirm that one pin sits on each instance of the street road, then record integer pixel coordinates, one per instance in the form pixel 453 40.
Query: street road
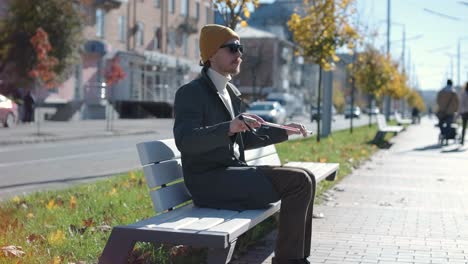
pixel 28 167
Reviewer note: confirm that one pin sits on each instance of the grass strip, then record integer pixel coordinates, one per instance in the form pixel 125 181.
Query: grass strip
pixel 72 225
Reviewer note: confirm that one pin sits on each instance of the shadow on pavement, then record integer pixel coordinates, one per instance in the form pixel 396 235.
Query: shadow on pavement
pixel 451 150
pixel 430 147
pixel 383 144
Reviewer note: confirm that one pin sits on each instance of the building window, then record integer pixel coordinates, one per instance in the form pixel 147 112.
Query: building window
pixel 100 19
pixel 172 6
pixel 197 10
pixel 157 39
pixel 197 49
pixel 157 3
pixel 208 16
pixel 171 40
pixel 184 7
pixel 122 28
pixel 140 33
pixel 185 43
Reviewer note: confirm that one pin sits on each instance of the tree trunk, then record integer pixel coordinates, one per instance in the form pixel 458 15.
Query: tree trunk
pixel 319 92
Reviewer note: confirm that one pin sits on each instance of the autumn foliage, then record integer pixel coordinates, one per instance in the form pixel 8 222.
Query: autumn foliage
pixel 321 27
pixel 376 74
pixel 43 70
pixel 114 72
pixel 234 11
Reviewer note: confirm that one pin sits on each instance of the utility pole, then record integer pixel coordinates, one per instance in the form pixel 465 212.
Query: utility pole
pixel 458 62
pixel 387 98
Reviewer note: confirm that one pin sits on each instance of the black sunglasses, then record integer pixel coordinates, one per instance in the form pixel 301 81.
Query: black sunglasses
pixel 233 47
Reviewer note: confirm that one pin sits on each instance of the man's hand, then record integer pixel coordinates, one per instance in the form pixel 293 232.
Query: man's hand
pixel 302 129
pixel 239 124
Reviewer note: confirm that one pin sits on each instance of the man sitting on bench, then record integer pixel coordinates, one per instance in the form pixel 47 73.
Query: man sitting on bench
pixel 212 136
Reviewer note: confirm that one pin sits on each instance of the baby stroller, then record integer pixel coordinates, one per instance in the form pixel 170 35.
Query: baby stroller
pixel 448 131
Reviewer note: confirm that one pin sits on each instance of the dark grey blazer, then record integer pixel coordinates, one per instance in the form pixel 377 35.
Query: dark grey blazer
pixel 213 175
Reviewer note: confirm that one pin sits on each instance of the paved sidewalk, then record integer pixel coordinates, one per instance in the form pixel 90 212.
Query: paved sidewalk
pixel 409 204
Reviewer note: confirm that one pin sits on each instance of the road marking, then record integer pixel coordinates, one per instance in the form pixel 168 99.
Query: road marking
pixel 28 162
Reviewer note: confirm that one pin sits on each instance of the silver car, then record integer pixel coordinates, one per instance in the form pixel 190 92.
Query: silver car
pixel 270 111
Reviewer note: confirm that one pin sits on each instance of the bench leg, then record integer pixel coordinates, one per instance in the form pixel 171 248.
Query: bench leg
pixel 218 256
pixel 379 137
pixel 118 248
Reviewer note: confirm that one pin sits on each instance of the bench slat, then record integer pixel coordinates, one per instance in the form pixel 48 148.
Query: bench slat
pixel 266 160
pixel 157 151
pixel 162 173
pixel 198 218
pixel 211 221
pixel 244 221
pixel 321 171
pixel 253 154
pixel 383 127
pixel 170 196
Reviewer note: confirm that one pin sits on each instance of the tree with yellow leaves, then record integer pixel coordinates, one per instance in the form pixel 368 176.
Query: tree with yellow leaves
pixel 372 72
pixel 414 99
pixel 235 11
pixel 319 29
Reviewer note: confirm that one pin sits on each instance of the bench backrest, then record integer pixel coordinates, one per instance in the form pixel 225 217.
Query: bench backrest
pixel 381 122
pixel 397 116
pixel 163 171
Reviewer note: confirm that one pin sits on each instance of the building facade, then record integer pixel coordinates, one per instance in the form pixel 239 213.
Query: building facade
pixel 156 42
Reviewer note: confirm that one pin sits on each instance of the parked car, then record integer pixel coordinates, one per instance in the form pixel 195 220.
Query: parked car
pixel 355 112
pixel 8 111
pixel 314 116
pixel 373 111
pixel 269 111
pixel 287 101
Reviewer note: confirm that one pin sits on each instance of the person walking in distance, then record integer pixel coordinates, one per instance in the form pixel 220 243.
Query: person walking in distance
pixel 463 111
pixel 447 101
pixel 211 132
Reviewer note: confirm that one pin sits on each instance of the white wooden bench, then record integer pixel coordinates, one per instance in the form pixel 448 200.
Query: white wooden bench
pixel 402 121
pixel 215 229
pixel 383 128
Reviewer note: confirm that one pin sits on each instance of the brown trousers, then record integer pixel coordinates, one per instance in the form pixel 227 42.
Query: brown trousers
pixel 296 187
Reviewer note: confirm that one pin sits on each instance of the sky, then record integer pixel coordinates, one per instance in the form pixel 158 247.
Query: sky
pixel 433 30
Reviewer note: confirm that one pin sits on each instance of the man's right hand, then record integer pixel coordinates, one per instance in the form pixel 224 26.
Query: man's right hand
pixel 238 125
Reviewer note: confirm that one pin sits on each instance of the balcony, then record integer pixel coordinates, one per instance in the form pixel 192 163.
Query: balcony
pixel 188 25
pixel 109 4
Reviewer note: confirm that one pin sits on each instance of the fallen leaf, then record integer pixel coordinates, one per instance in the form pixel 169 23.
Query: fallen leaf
pixel 113 192
pixel 51 204
pixel 33 237
pixel 88 222
pixel 56 238
pixel 13 251
pixel 104 228
pixel 16 199
pixel 72 203
pixel 57 260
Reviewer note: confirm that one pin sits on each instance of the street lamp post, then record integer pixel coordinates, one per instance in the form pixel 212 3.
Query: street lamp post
pixel 387 98
pixel 458 58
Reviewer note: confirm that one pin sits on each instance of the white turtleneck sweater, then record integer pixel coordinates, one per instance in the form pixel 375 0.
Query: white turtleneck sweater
pixel 220 81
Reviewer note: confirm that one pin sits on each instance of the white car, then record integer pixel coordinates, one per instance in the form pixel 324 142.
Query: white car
pixel 270 111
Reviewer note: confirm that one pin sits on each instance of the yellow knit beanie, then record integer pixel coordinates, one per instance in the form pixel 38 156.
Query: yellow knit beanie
pixel 212 37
